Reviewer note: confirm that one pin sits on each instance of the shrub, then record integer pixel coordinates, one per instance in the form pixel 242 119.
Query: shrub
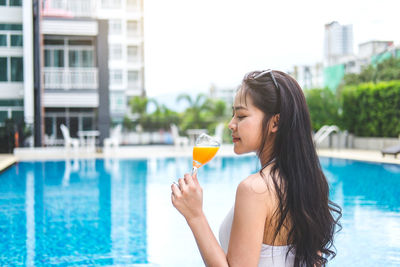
pixel 323 107
pixel 372 109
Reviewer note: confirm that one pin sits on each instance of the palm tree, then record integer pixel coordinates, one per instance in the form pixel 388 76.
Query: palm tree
pixel 192 117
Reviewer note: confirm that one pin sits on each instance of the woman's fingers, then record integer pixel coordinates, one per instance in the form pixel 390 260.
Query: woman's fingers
pixel 195 179
pixel 182 184
pixel 188 179
pixel 175 190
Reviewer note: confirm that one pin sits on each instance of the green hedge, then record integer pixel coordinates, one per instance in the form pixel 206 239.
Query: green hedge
pixel 371 109
pixel 323 107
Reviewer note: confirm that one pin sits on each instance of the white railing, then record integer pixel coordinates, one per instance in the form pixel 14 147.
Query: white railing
pixel 77 8
pixel 71 78
pixel 324 132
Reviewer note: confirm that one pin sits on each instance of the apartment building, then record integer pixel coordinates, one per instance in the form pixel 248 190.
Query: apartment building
pixel 14 54
pixel 91 62
pixel 126 52
pixel 75 68
pixel 225 94
pixel 308 76
pixel 338 42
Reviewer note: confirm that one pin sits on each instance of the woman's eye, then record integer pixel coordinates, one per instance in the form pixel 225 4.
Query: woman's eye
pixel 241 117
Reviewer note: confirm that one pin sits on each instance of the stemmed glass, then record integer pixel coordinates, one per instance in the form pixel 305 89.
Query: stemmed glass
pixel 204 150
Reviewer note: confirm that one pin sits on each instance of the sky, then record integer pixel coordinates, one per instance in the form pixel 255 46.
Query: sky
pixel 191 45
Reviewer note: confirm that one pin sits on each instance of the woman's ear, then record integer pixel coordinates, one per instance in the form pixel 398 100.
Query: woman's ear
pixel 274 123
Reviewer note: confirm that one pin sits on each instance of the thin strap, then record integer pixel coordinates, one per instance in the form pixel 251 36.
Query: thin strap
pixel 268 163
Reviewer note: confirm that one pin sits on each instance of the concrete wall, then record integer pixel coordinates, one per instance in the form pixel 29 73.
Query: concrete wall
pixel 374 143
pixel 344 140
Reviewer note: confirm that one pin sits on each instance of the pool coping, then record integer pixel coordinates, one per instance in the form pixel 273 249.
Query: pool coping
pixel 154 151
pixel 6 161
pixel 360 155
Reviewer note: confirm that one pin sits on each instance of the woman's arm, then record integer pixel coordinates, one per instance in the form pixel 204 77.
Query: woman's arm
pixel 188 200
pixel 247 229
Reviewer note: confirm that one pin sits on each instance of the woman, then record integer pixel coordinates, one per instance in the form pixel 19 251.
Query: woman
pixel 282 215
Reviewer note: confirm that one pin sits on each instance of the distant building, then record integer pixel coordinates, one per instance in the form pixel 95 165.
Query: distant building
pixel 338 42
pixel 374 52
pixel 339 56
pixel 75 68
pixel 225 94
pixel 308 76
pixel 126 52
pixel 15 52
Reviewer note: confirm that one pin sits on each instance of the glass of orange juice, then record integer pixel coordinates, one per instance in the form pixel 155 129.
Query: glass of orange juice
pixel 204 150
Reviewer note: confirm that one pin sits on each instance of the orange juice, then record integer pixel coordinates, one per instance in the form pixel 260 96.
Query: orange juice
pixel 203 154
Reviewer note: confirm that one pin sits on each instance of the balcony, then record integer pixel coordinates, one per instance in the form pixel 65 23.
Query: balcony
pixel 69 8
pixel 71 78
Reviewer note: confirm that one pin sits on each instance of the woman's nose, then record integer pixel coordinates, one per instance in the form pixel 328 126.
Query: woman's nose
pixel 231 125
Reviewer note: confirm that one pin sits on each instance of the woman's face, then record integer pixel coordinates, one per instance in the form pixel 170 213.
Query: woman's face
pixel 246 124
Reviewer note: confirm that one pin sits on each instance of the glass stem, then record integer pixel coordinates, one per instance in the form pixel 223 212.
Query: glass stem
pixel 194 170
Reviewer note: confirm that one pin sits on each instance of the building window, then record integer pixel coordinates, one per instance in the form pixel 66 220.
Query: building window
pixel 53 42
pixel 115 77
pixel 3 39
pixel 16 40
pixel 81 58
pixel 17 69
pixel 115 52
pixel 87 58
pixel 132 54
pixel 3 69
pixel 115 27
pixel 133 78
pixel 54 58
pixel 10 27
pixel 132 4
pixel 2 2
pixel 111 3
pixel 10 35
pixel 15 2
pixel 117 103
pixel 132 28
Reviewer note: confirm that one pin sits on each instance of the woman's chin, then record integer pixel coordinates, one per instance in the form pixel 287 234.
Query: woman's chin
pixel 238 151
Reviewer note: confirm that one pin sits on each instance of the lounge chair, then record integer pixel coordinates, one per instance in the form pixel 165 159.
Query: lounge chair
pixel 115 138
pixel 178 140
pixel 392 150
pixel 68 140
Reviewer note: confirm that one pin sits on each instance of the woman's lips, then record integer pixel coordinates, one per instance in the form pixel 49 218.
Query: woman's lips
pixel 235 139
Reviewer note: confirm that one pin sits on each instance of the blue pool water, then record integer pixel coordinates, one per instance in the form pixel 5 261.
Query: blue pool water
pixel 118 212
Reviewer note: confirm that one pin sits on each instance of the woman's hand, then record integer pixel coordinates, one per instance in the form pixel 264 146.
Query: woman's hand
pixel 187 198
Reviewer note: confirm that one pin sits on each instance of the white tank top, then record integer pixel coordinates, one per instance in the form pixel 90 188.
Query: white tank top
pixel 269 255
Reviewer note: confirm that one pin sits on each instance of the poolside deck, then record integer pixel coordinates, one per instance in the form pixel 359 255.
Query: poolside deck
pixel 59 153
pixel 356 154
pixel 6 160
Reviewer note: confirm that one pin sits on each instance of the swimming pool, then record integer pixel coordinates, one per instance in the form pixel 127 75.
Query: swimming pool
pixel 117 212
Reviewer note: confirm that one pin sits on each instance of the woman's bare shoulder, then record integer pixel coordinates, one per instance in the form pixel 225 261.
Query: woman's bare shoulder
pixel 257 186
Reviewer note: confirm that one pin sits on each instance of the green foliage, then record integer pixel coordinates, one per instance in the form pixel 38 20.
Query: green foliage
pixel 161 118
pixel 138 105
pixel 202 112
pixel 387 70
pixel 372 109
pixel 323 107
pixel 128 123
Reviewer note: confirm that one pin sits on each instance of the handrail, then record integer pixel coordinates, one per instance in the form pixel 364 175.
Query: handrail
pixel 71 78
pixel 324 132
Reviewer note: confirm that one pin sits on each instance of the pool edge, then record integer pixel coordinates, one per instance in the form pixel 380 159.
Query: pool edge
pixel 359 155
pixel 6 161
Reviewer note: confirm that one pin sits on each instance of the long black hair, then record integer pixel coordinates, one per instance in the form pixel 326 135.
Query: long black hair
pixel 300 184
